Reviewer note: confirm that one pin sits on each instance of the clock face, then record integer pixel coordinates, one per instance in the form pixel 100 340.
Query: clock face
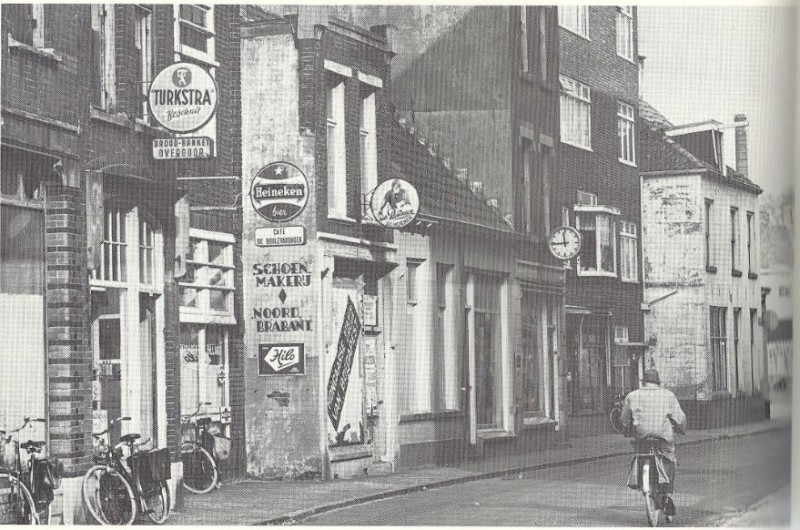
pixel 565 242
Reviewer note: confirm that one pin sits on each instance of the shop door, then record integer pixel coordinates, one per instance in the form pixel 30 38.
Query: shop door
pixel 345 400
pixel 107 384
pixel 147 359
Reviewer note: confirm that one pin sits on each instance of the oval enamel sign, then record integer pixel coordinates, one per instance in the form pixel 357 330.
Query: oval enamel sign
pixel 182 97
pixel 279 192
pixel 394 203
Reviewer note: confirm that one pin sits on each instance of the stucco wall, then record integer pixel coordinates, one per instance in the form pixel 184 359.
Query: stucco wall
pixel 281 411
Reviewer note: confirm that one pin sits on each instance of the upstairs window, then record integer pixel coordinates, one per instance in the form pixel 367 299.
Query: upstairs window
pixel 576 120
pixel 709 251
pixel 625 32
pixel 735 241
pixel 368 149
pixel 751 244
pixel 523 38
pixel 26 22
pixel 195 32
pixel 143 42
pixel 207 290
pixel 626 125
pixel 598 256
pixel 629 264
pixel 575 19
pixel 543 63
pixel 103 51
pixel 337 177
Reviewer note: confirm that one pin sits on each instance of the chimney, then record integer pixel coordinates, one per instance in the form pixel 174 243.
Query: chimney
pixel 740 120
pixel 309 16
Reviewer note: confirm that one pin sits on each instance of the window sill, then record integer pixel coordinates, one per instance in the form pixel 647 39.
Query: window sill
pixel 600 274
pixel 565 142
pixel 581 35
pixel 45 53
pixel 628 280
pixel 431 416
pixel 197 56
pixel 338 218
pixel 752 276
pixel 736 273
pixel 627 59
pixel 712 269
pixel 120 119
pixel 627 162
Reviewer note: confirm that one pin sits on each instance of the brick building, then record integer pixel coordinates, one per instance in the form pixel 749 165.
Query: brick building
pixel 598 194
pixel 702 288
pixel 115 318
pixel 485 92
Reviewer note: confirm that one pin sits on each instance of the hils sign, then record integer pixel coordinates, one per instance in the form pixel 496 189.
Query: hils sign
pixel 281 359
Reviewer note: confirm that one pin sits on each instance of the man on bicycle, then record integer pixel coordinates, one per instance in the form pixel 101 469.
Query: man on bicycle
pixel 652 411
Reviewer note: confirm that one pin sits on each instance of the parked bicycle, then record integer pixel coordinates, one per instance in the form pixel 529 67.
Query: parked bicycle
pixel 116 490
pixel 33 481
pixel 616 412
pixel 200 458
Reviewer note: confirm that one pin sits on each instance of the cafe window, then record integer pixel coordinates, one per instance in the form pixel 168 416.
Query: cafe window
pixel 205 371
pixel 207 290
pixel 488 352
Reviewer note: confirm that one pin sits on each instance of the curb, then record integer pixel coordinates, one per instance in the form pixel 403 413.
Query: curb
pixel 299 515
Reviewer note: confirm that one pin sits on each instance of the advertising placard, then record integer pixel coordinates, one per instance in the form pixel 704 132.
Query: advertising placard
pixel 182 97
pixel 279 192
pixel 394 203
pixel 283 236
pixel 343 363
pixel 185 148
pixel 281 359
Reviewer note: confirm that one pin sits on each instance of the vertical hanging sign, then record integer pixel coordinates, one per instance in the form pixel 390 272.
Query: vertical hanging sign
pixel 343 363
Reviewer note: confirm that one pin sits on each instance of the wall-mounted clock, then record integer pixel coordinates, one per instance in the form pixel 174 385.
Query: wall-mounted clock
pixel 565 242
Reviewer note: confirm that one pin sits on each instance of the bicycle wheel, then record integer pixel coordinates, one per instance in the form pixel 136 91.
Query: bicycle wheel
pixel 650 502
pixel 108 496
pixel 156 501
pixel 22 504
pixel 616 423
pixel 200 472
pixel 43 512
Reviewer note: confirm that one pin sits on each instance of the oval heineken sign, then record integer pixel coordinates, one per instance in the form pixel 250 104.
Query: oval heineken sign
pixel 182 97
pixel 279 192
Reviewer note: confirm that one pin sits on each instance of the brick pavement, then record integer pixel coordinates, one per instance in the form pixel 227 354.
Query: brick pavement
pixel 250 502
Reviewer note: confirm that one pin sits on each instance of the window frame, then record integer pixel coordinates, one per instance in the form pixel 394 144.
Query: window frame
pixel 734 226
pixel 580 96
pixel 719 356
pixel 567 10
pixel 626 129
pixel 368 152
pixel 144 46
pixel 628 232
pixel 209 55
pixel 524 39
pixel 543 59
pixel 202 312
pixel 751 245
pixel 103 22
pixel 336 128
pixel 612 226
pixel 737 322
pixel 222 412
pixel 625 19
pixel 709 254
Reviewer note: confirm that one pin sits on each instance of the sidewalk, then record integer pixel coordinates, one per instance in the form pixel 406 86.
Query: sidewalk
pixel 251 502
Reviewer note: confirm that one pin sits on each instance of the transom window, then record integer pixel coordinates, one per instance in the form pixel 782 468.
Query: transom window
pixel 585 198
pixel 575 19
pixel 576 105
pixel 627 140
pixel 625 32
pixel 207 290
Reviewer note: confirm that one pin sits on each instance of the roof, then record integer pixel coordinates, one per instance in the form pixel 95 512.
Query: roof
pixel 442 195
pixel 660 153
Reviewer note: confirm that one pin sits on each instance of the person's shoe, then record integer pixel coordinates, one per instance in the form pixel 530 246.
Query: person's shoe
pixel 669 508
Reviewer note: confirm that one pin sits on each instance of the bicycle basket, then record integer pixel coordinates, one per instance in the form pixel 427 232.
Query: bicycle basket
pixel 8 454
pixel 44 484
pixel 152 465
pixel 222 446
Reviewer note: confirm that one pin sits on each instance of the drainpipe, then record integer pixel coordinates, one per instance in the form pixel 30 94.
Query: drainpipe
pixel 764 360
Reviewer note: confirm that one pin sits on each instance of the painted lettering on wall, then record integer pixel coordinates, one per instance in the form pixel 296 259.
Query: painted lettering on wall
pixel 343 363
pixel 280 319
pixel 282 274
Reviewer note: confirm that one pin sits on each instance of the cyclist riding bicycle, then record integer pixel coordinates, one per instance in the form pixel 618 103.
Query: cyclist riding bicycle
pixel 654 412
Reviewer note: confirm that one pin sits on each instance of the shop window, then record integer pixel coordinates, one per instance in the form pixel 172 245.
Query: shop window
pixel 113 250
pixel 719 352
pixel 625 32
pixel 576 113
pixel 205 371
pixel 195 36
pixel 143 42
pixel 24 174
pixel 337 172
pixel 207 289
pixel 146 248
pixel 444 355
pixel 753 328
pixel 628 241
pixel 575 19
pixel 737 318
pixel 533 351
pixel 368 151
pixel 488 352
pixel 621 366
pixel 21 250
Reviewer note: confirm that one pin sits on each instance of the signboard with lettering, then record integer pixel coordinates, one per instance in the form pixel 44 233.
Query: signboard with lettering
pixel 281 359
pixel 394 203
pixel 279 192
pixel 283 236
pixel 185 148
pixel 343 363
pixel 182 97
pixel 370 310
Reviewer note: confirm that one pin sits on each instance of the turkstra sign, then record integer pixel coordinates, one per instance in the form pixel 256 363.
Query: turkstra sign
pixel 182 97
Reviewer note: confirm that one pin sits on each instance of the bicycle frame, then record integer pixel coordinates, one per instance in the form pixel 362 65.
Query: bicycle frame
pixel 23 475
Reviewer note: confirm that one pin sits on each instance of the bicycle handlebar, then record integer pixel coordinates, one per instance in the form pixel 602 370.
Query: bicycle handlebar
pixel 197 410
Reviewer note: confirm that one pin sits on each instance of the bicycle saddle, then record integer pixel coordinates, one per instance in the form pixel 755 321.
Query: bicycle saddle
pixel 31 446
pixel 129 438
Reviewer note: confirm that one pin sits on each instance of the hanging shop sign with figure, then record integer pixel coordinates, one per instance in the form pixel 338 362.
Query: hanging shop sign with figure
pixel 394 203
pixel 182 97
